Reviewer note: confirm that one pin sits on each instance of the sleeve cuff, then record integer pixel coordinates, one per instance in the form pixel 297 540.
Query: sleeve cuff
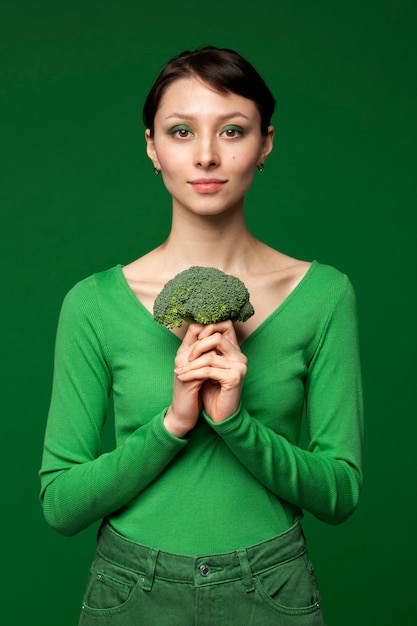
pixel 164 436
pixel 227 425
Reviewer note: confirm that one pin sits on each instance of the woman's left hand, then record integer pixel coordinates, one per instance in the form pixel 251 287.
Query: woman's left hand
pixel 216 359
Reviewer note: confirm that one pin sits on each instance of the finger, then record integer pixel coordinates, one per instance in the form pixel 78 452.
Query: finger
pixel 182 361
pixel 217 342
pixel 226 378
pixel 208 365
pixel 226 328
pixel 192 333
pixel 190 337
pixel 218 327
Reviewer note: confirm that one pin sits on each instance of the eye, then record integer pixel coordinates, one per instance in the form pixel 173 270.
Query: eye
pixel 180 131
pixel 232 131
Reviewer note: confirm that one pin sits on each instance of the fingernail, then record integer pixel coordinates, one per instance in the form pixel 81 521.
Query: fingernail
pixel 178 369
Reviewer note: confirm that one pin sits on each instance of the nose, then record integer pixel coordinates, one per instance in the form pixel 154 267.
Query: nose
pixel 206 153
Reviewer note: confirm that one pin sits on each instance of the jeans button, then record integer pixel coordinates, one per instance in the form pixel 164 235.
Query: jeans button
pixel 205 570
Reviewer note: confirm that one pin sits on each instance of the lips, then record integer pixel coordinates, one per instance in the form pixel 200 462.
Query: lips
pixel 207 185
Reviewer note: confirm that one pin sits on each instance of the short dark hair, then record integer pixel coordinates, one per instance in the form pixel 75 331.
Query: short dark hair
pixel 221 68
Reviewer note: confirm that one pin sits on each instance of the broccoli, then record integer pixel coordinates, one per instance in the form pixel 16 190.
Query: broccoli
pixel 204 295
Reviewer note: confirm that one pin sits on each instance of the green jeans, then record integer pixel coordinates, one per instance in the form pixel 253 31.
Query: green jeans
pixel 270 583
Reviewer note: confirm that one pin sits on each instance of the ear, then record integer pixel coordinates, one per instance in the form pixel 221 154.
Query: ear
pixel 268 143
pixel 150 149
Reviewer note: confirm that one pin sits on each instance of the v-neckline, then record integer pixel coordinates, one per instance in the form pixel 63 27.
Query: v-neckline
pixel 249 337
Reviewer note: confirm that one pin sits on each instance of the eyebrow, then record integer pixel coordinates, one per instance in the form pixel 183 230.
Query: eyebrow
pixel 185 116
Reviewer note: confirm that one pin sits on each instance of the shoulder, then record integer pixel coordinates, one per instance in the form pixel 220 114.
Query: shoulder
pixel 329 296
pixel 330 281
pixel 98 280
pixel 287 273
pixel 86 293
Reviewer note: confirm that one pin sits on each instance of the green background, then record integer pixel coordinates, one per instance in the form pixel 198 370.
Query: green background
pixel 78 195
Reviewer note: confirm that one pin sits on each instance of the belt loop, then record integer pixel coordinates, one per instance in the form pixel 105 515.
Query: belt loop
pixel 147 581
pixel 246 570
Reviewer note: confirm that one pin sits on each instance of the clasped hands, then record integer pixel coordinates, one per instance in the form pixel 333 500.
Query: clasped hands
pixel 209 373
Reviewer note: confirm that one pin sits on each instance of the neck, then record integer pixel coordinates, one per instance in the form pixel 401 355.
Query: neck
pixel 222 241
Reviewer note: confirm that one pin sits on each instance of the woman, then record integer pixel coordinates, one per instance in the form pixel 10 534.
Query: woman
pixel 203 495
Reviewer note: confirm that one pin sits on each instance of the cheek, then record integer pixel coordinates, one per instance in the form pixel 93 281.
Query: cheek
pixel 244 166
pixel 245 159
pixel 243 172
pixel 172 161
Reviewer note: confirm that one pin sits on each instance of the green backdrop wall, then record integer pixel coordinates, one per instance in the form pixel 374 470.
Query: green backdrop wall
pixel 78 195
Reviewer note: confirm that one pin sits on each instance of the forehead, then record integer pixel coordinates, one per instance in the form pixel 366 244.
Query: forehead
pixel 193 98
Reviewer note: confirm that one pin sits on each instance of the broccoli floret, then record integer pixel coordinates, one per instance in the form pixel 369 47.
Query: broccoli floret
pixel 204 295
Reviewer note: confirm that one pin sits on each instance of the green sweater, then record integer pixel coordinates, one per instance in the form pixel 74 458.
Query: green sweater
pixel 227 485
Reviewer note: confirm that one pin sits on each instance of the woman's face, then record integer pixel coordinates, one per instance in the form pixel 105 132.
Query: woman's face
pixel 207 146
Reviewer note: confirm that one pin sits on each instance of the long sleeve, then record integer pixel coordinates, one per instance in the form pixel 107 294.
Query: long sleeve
pixel 326 478
pixel 303 361
pixel 80 484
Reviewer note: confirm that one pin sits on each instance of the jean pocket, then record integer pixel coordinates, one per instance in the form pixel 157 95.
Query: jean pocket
pixel 290 588
pixel 110 587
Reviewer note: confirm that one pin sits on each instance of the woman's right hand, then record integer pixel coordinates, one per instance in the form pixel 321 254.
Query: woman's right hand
pixel 185 408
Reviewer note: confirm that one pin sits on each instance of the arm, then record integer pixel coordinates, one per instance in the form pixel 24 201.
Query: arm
pixel 79 484
pixel 326 478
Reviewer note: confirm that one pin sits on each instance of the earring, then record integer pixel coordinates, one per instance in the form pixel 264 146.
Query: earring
pixel 261 167
pixel 155 169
